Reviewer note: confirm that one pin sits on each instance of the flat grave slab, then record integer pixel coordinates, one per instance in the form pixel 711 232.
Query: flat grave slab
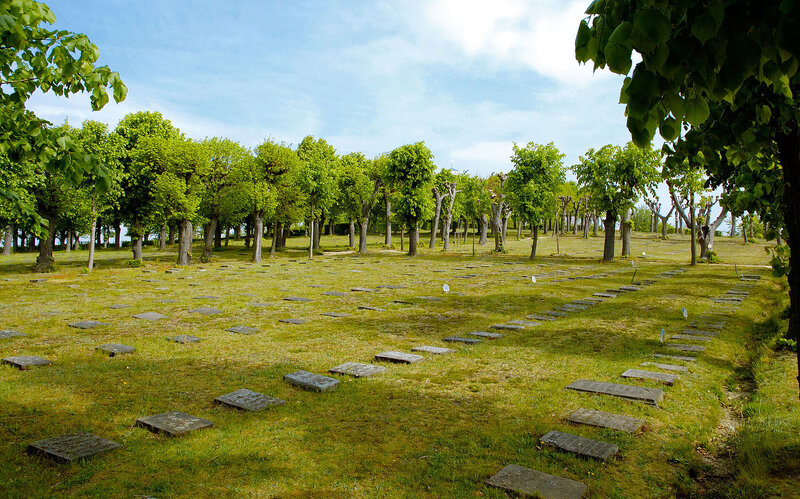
pixel 357 370
pixel 686 348
pixel 605 420
pixel 242 330
pixel 398 357
pixel 588 303
pixel 667 367
pixel 667 379
pixel 630 288
pixel 205 311
pixel 484 334
pixel 605 295
pixel 167 300
pixel 69 448
pixel 367 307
pixel 248 400
pixel 684 358
pixel 334 293
pixel 335 314
pixel 540 317
pixel 390 286
pixel 298 298
pixel 174 423
pixel 113 349
pixel 433 350
pixel 311 381
pixel 184 339
pixel 690 337
pixel 7 333
pixel 573 306
pixel 261 305
pixel 507 327
pixel 149 316
pixel 23 362
pixel 401 302
pixel 640 394
pixel 87 324
pixel 551 313
pixel 118 306
pixel 526 482
pixel 430 298
pixel 520 322
pixel 362 290
pixel 206 297
pixel 700 332
pixel 581 446
pixel 458 339
pixel 292 321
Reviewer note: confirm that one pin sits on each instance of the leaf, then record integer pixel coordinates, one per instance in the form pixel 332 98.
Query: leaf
pixel 650 29
pixel 704 27
pixel 697 111
pixel 582 42
pixel 676 105
pixel 618 49
pixel 669 129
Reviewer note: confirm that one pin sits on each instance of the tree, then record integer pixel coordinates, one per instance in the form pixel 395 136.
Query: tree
pixel 317 181
pixel 728 74
pixel 689 184
pixel 655 207
pixel 614 177
pixel 410 169
pixel 360 180
pixel 476 203
pixel 440 191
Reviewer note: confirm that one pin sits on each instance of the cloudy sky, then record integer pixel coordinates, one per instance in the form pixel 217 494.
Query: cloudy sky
pixel 467 77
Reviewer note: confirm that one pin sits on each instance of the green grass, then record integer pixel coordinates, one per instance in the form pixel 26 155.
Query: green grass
pixel 438 428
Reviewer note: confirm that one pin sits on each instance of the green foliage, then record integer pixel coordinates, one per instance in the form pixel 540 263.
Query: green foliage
pixel 410 170
pixel 779 259
pixel 642 219
pixel 134 263
pixel 713 257
pixel 474 198
pixel 786 344
pixel 317 174
pixel 532 183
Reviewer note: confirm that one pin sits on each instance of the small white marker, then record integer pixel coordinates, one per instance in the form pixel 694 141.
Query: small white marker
pixel 446 288
pixel 533 279
pixel 685 313
pixel 662 335
pixel 644 254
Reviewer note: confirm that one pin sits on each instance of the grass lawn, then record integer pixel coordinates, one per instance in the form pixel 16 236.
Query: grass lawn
pixel 436 428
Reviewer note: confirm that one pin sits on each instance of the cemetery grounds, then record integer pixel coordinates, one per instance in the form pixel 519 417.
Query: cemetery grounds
pixel 729 426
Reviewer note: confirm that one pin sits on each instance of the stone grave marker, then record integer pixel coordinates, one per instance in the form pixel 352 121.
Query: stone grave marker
pixel 113 349
pixel 520 322
pixel 457 339
pixel 23 362
pixel 87 324
pixel 150 316
pixel 605 295
pixel 334 293
pixel 391 286
pixel 298 298
pixel 398 357
pixel 118 306
pixel 648 395
pixel 605 420
pixel 667 367
pixel 261 305
pixel 205 311
pixel 700 332
pixel 7 333
pixel 362 290
pixel 588 303
pixel 484 334
pixel 526 482
pixel 667 379
pixel 675 357
pixel 174 424
pixel 292 321
pixel 578 445
pixel 430 298
pixel 335 314
pixel 206 297
pixel 554 314
pixel 357 370
pixel 540 317
pixel 70 448
pixel 311 381
pixel 507 327
pixel 242 330
pixel 690 337
pixel 167 300
pixel 248 400
pixel 630 288
pixel 686 348
pixel 367 307
pixel 433 350
pixel 401 302
pixel 184 339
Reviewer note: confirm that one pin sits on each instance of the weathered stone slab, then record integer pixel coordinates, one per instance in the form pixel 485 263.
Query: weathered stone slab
pixel 335 314
pixel 206 297
pixel 457 339
pixel 7 333
pixel 700 332
pixel 401 302
pixel 484 334
pixel 292 321
pixel 686 348
pixel 334 293
pixel 430 298
pixel 311 381
pixel 184 339
pixel 167 300
pixel 605 295
pixel 690 337
pixel 566 309
pixel 118 306
pixel 667 379
pixel 205 311
pixel 630 288
pixel 248 400
pixel 648 395
pixel 605 420
pixel 581 446
pixel 261 305
pixel 433 350
pixel 174 423
pixel 69 448
pixel 362 290
pixel 23 362
pixel 242 330
pixel 150 316
pixel 540 317
pixel 357 370
pixel 554 314
pixel 667 367
pixel 367 307
pixel 507 327
pixel 398 357
pixel 526 482
pixel 298 298
pixel 573 306
pixel 87 324
pixel 390 286
pixel 675 357
pixel 112 349
pixel 520 322
pixel 589 303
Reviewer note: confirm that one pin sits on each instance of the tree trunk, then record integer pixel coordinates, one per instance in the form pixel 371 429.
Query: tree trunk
pixel 625 228
pixel 247 228
pixel 185 235
pixel 351 232
pixel 497 226
pixel 505 230
pixel 276 236
pixel 171 234
pixel 388 239
pixel 136 240
pixel 311 234
pixel 693 235
pixel 162 238
pixel 258 236
pixel 118 235
pixel 535 240
pixel 664 226
pixel 437 214
pixel 484 221
pixel 45 260
pixel 209 235
pixel 331 227
pixel 610 226
pixel 401 236
pixel 362 236
pixel 68 241
pixel 217 236
pixel 92 240
pixel 8 241
pixel 413 238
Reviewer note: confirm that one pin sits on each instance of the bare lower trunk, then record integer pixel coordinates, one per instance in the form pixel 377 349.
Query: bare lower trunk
pixel 118 235
pixel 171 233
pixel 45 260
pixel 185 233
pixel 535 240
pixel 68 242
pixel 484 229
pixel 92 240
pixel 276 236
pixel 610 226
pixel 209 235
pixel 388 239
pixel 351 232
pixel 258 236
pixel 413 238
pixel 362 236
pixel 625 228
pixel 162 238
pixel 8 241
pixel 437 213
pixel 664 226
pixel 693 223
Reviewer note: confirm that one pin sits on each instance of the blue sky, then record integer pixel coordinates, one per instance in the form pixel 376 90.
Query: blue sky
pixel 467 77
